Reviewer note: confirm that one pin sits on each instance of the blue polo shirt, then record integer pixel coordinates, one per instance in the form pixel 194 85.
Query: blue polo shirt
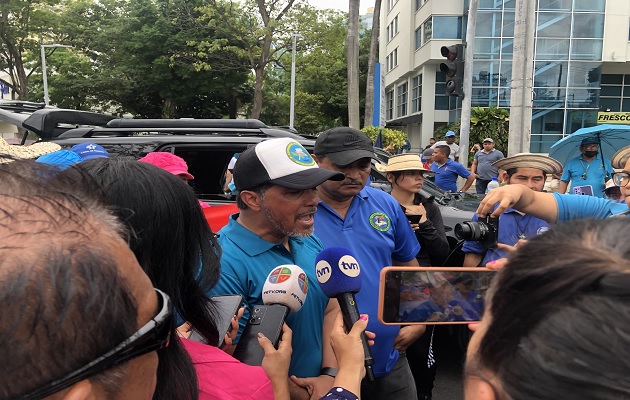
pixel 511 226
pixel 247 260
pixel 577 207
pixel 576 167
pixel 377 231
pixel 446 178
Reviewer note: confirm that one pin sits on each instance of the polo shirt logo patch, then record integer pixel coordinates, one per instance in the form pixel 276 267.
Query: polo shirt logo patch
pixel 380 221
pixel 299 155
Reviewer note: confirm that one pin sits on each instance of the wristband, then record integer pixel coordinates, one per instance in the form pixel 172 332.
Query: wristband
pixel 328 371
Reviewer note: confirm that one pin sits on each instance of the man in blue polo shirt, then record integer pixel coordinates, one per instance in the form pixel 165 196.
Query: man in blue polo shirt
pixel 371 223
pixel 522 169
pixel 448 170
pixel 277 200
pixel 554 207
pixel 587 172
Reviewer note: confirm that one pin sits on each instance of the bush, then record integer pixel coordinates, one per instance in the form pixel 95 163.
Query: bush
pixel 391 137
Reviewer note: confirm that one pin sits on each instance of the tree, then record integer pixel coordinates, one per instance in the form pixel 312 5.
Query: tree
pixel 263 30
pixel 369 91
pixel 353 65
pixel 24 25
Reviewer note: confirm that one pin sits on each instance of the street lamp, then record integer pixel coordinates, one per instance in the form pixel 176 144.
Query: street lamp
pixel 292 108
pixel 44 77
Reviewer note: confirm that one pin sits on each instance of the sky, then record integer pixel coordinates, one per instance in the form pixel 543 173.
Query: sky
pixel 341 4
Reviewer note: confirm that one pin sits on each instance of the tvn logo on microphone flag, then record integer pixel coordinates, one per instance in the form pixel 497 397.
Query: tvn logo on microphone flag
pixel 347 264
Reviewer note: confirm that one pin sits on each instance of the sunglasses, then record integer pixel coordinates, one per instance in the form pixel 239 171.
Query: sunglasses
pixel 154 335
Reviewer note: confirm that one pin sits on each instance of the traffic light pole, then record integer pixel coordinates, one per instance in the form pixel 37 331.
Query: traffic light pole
pixel 464 129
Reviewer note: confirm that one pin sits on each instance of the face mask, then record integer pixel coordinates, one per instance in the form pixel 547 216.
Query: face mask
pixel 590 153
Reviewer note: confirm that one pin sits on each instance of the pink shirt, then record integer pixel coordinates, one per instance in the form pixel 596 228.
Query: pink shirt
pixel 222 377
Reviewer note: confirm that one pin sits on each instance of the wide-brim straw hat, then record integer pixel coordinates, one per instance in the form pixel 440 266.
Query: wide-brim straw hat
pixel 530 160
pixel 403 162
pixel 620 158
pixel 32 151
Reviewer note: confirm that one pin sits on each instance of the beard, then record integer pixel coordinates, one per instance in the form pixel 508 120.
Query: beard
pixel 294 233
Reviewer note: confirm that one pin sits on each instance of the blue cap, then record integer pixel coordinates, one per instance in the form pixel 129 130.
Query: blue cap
pixel 449 133
pixel 61 159
pixel 87 151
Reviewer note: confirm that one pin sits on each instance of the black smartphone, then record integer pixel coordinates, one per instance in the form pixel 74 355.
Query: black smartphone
pixel 432 295
pixel 267 319
pixel 225 308
pixel 414 218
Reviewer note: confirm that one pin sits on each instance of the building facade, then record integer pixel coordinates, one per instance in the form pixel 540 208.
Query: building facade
pixel 581 63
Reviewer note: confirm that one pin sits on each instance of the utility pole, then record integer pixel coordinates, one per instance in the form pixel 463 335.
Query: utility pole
pixel 464 128
pixel 42 48
pixel 522 77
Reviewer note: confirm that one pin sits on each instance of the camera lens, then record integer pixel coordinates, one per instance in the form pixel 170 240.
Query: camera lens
pixel 256 310
pixel 471 230
pixel 252 320
pixel 463 231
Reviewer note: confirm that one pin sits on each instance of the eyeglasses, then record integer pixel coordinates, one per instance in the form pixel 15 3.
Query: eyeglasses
pixel 621 178
pixel 154 335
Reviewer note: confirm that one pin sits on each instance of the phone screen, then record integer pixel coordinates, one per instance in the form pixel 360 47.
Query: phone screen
pixel 432 295
pixel 225 308
pixel 414 218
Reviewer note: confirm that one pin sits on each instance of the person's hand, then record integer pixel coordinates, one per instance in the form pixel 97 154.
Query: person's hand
pixel 227 346
pixel 506 196
pixel 511 249
pixel 184 330
pixel 407 335
pixel 348 347
pixel 316 386
pixel 417 210
pixel 276 362
pixel 497 264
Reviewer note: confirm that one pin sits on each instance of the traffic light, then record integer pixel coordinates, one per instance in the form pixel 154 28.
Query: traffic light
pixel 454 69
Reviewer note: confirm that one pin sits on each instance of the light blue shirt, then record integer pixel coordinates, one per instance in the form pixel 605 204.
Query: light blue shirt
pixel 578 207
pixel 246 261
pixel 576 167
pixel 377 231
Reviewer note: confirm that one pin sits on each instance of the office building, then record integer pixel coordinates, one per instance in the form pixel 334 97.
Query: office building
pixel 581 63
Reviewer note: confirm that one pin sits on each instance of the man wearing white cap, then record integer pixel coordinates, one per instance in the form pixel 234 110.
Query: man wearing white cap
pixel 527 170
pixel 449 140
pixel 277 198
pixel 482 165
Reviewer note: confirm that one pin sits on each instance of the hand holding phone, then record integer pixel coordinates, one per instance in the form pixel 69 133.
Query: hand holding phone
pixel 414 219
pixel 419 295
pixel 225 308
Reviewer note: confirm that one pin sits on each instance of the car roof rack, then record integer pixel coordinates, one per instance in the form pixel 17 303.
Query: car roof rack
pixel 186 123
pixel 51 123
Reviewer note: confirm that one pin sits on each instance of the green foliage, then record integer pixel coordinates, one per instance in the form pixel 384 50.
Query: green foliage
pixel 491 122
pixel 391 137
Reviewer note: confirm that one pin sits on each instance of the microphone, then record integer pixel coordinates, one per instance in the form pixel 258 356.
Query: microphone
pixel 286 285
pixel 338 273
pixel 284 292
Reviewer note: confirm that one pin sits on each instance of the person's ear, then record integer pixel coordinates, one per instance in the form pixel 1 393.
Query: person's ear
pixel 478 389
pixel 252 199
pixel 317 161
pixel 390 178
pixel 82 390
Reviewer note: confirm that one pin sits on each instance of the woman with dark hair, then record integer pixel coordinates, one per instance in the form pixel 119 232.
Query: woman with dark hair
pixel 556 325
pixel 176 248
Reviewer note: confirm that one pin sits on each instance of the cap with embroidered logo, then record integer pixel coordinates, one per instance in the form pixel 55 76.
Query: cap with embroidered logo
pixel 283 162
pixel 88 151
pixel 344 145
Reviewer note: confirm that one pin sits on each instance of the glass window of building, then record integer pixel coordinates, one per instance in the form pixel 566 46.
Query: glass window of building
pixel 418 37
pixel 427 31
pixel 447 27
pixel 401 108
pixel 441 99
pixel 392 28
pixel 553 5
pixel 389 98
pixel 489 24
pixel 416 94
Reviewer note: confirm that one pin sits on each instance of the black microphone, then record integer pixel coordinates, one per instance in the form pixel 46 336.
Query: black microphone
pixel 338 275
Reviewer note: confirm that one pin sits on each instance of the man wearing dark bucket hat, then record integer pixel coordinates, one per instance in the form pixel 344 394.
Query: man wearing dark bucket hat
pixel 587 172
pixel 277 200
pixel 554 207
pixel 522 169
pixel 371 223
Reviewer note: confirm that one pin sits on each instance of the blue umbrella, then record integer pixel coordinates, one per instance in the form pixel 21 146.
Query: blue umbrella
pixel 610 138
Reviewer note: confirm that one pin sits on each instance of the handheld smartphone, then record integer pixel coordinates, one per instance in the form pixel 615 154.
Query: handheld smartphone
pixel 225 308
pixel 432 295
pixel 414 218
pixel 267 319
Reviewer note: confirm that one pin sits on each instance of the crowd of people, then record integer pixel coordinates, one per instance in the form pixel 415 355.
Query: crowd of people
pixel 107 264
